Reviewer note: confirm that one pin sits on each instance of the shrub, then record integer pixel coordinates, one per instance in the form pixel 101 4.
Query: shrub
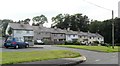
pixel 96 42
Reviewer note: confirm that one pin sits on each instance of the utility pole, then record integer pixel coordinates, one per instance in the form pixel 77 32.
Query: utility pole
pixel 112 19
pixel 112 30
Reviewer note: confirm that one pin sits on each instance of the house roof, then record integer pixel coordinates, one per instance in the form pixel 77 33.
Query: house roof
pixel 82 33
pixel 71 32
pixel 89 34
pixel 94 35
pixel 53 30
pixel 41 29
pixel 20 26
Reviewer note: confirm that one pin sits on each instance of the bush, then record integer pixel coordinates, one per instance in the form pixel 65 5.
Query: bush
pixel 117 44
pixel 72 43
pixel 106 44
pixel 96 42
pixel 68 43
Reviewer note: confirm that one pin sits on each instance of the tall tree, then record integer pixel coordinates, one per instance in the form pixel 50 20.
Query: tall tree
pixel 40 19
pixel 4 24
pixel 95 26
pixel 74 22
pixel 26 21
pixel 117 30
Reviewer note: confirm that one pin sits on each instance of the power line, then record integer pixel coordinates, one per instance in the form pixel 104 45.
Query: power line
pixel 97 5
pixel 112 19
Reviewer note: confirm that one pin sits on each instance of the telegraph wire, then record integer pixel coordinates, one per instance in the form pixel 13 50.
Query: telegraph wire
pixel 97 5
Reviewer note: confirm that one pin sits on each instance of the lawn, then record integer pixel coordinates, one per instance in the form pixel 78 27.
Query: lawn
pixel 94 48
pixel 19 57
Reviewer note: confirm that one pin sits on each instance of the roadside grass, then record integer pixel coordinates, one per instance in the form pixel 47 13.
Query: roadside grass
pixel 0 35
pixel 94 48
pixel 19 57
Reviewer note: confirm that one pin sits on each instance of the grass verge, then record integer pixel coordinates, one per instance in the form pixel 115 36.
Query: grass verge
pixel 19 57
pixel 94 48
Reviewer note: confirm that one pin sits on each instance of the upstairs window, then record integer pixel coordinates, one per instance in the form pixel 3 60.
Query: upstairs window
pixel 61 34
pixel 73 35
pixel 90 37
pixel 27 31
pixel 80 36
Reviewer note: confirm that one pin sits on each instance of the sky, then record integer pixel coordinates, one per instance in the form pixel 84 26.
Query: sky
pixel 22 9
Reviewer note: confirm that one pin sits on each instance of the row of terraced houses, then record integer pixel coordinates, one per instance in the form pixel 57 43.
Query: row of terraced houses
pixel 55 35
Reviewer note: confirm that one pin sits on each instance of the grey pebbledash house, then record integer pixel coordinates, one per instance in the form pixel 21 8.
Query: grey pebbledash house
pixel 41 33
pixel 89 38
pixel 58 36
pixel 21 31
pixel 49 35
pixel 55 35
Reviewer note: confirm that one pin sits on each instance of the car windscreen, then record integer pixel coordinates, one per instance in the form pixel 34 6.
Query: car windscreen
pixel 19 40
pixel 9 39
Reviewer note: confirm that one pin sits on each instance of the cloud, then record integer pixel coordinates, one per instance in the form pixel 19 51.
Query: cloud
pixel 21 9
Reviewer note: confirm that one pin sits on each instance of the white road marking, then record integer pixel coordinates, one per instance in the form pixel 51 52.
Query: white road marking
pixel 97 60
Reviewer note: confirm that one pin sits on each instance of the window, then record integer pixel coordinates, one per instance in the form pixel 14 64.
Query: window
pixel 90 37
pixel 73 35
pixel 61 39
pixel 27 31
pixel 55 39
pixel 69 35
pixel 54 34
pixel 18 31
pixel 80 36
pixel 84 36
pixel 61 34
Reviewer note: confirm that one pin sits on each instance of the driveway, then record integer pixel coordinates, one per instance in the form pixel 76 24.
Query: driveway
pixel 92 56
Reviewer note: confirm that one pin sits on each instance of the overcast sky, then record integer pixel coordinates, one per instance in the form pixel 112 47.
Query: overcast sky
pixel 22 9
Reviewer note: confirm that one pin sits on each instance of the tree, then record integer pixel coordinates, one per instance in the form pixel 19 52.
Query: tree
pixel 59 21
pixel 33 24
pixel 74 22
pixel 26 21
pixel 117 30
pixel 95 26
pixel 5 24
pixel 10 31
pixel 40 19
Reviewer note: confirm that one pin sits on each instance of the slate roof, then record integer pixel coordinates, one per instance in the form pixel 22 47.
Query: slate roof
pixel 71 32
pixel 89 34
pixel 53 30
pixel 41 29
pixel 20 26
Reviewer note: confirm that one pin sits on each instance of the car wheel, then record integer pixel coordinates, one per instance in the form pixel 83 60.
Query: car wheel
pixel 27 46
pixel 17 46
pixel 6 47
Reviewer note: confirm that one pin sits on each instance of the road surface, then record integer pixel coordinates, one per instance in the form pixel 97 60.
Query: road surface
pixel 92 56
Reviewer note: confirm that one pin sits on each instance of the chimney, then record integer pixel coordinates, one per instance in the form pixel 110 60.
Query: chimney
pixel 40 25
pixel 88 31
pixel 55 27
pixel 78 30
pixel 22 23
pixel 68 29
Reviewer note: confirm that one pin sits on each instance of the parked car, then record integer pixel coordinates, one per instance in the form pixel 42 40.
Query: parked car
pixel 16 43
pixel 83 42
pixel 38 42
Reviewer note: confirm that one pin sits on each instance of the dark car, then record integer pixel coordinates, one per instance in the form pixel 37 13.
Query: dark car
pixel 16 43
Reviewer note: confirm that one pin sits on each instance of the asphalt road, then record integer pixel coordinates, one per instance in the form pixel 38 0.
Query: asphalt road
pixel 92 56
